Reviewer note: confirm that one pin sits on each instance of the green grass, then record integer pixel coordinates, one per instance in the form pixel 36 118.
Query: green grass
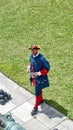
pixel 48 23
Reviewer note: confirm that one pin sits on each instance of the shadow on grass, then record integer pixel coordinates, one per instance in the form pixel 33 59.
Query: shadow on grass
pixel 57 106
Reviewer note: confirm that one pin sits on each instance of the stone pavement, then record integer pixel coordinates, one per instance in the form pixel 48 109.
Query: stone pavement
pixel 21 105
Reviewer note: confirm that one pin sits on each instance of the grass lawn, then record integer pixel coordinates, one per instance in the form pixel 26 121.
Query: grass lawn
pixel 48 23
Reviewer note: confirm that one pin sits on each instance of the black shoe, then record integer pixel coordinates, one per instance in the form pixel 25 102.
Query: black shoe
pixel 34 111
pixel 41 102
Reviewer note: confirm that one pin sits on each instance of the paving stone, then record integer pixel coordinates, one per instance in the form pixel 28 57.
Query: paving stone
pixel 68 124
pixel 60 128
pixel 23 112
pixel 32 100
pixel 16 97
pixel 65 125
pixel 7 107
pixel 5 81
pixel 20 96
pixel 17 120
pixel 34 124
pixel 23 92
pixel 43 107
pixel 3 87
pixel 51 117
pixel 18 100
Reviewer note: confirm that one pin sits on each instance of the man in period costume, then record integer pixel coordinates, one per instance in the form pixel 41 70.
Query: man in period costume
pixel 38 69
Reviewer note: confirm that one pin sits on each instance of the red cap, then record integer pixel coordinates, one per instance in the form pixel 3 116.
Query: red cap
pixel 34 47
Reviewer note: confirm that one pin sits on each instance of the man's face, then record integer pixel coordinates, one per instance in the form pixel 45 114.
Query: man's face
pixel 34 51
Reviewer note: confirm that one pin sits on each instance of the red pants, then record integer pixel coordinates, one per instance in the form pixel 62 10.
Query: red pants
pixel 39 98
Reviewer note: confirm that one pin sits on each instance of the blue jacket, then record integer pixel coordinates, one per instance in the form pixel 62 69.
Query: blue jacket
pixel 37 64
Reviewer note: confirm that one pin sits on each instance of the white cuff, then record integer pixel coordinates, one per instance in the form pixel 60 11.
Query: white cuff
pixel 39 73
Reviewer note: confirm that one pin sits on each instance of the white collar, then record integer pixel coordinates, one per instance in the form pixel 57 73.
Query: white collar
pixel 36 55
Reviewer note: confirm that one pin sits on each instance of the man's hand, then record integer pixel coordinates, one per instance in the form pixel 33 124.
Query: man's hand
pixel 37 74
pixel 28 69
